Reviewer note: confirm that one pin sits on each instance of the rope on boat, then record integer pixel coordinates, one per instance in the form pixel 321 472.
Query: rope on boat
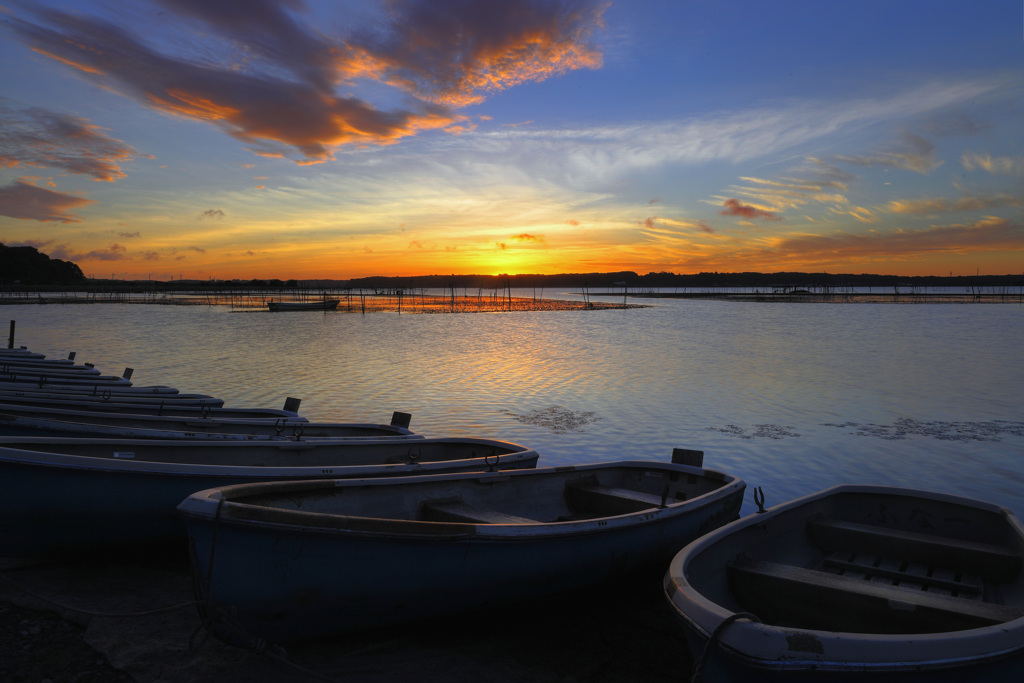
pixel 698 667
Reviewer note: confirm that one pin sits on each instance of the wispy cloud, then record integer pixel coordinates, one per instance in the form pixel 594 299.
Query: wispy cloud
pixel 527 237
pixel 942 204
pixel 913 153
pixel 26 201
pixel 986 234
pixel 37 137
pixel 844 248
pixel 813 180
pixel 598 157
pixel 858 213
pixel 994 165
pixel 114 252
pixel 734 208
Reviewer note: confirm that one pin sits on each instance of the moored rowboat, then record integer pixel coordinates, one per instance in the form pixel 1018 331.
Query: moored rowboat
pixel 64 494
pixel 34 420
pixel 84 386
pixel 33 423
pixel 299 560
pixel 204 407
pixel 48 394
pixel 857 582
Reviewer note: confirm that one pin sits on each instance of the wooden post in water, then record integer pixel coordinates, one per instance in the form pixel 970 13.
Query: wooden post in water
pixel 10 339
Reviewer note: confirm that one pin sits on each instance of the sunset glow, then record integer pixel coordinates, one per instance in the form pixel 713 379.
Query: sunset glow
pixel 180 138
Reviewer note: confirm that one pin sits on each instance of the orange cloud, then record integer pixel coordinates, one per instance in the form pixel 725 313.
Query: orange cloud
pixel 734 208
pixel 453 52
pixel 969 203
pixel 527 237
pixel 28 202
pixel 446 54
pixel 984 235
pixel 38 137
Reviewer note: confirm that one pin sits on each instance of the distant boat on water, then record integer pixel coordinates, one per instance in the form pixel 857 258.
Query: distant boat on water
pixel 323 305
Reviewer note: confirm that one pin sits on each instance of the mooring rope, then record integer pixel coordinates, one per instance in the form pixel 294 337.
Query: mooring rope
pixel 698 667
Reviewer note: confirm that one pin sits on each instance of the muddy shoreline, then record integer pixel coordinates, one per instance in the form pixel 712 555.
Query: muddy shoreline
pixel 617 633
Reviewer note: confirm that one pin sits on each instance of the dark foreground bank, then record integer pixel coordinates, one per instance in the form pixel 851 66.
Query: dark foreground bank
pixel 618 633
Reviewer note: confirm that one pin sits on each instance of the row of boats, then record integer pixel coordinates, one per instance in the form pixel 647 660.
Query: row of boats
pixel 299 530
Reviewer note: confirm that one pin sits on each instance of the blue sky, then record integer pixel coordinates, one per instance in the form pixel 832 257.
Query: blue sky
pixel 279 138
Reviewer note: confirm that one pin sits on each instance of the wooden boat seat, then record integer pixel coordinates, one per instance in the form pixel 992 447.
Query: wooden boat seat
pixel 834 602
pixel 991 562
pixel 459 511
pixel 588 495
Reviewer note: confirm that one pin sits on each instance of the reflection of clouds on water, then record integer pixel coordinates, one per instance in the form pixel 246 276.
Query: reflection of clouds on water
pixel 946 431
pixel 556 418
pixel 761 431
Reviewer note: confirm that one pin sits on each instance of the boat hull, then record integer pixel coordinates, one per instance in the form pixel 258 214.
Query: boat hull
pixel 818 607
pixel 63 494
pixel 34 421
pixel 284 579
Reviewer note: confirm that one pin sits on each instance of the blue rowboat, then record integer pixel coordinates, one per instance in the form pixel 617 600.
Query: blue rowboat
pixel 291 561
pixel 60 494
pixel 35 420
pixel 857 583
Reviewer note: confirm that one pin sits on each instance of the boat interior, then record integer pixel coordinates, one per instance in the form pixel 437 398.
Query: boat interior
pixel 557 496
pixel 852 573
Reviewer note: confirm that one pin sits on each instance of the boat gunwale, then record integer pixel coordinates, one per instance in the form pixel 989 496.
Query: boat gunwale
pixel 31 458
pixel 173 427
pixel 211 504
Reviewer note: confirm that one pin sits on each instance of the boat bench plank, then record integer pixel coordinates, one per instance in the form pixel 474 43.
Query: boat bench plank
pixel 459 511
pixel 832 600
pixel 868 565
pixel 608 500
pixel 991 562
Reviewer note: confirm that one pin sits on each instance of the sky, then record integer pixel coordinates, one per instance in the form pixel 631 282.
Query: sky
pixel 314 139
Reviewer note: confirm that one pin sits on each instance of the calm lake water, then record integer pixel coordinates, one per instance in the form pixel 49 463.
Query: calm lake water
pixel 791 397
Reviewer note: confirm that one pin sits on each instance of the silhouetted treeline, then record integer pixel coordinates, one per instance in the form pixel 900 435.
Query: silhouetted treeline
pixel 25 266
pixel 633 281
pixel 28 266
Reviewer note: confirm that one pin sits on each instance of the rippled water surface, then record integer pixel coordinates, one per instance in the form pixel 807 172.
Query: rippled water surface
pixel 791 397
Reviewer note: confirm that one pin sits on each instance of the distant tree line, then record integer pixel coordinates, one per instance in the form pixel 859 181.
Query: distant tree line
pixel 634 281
pixel 28 266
